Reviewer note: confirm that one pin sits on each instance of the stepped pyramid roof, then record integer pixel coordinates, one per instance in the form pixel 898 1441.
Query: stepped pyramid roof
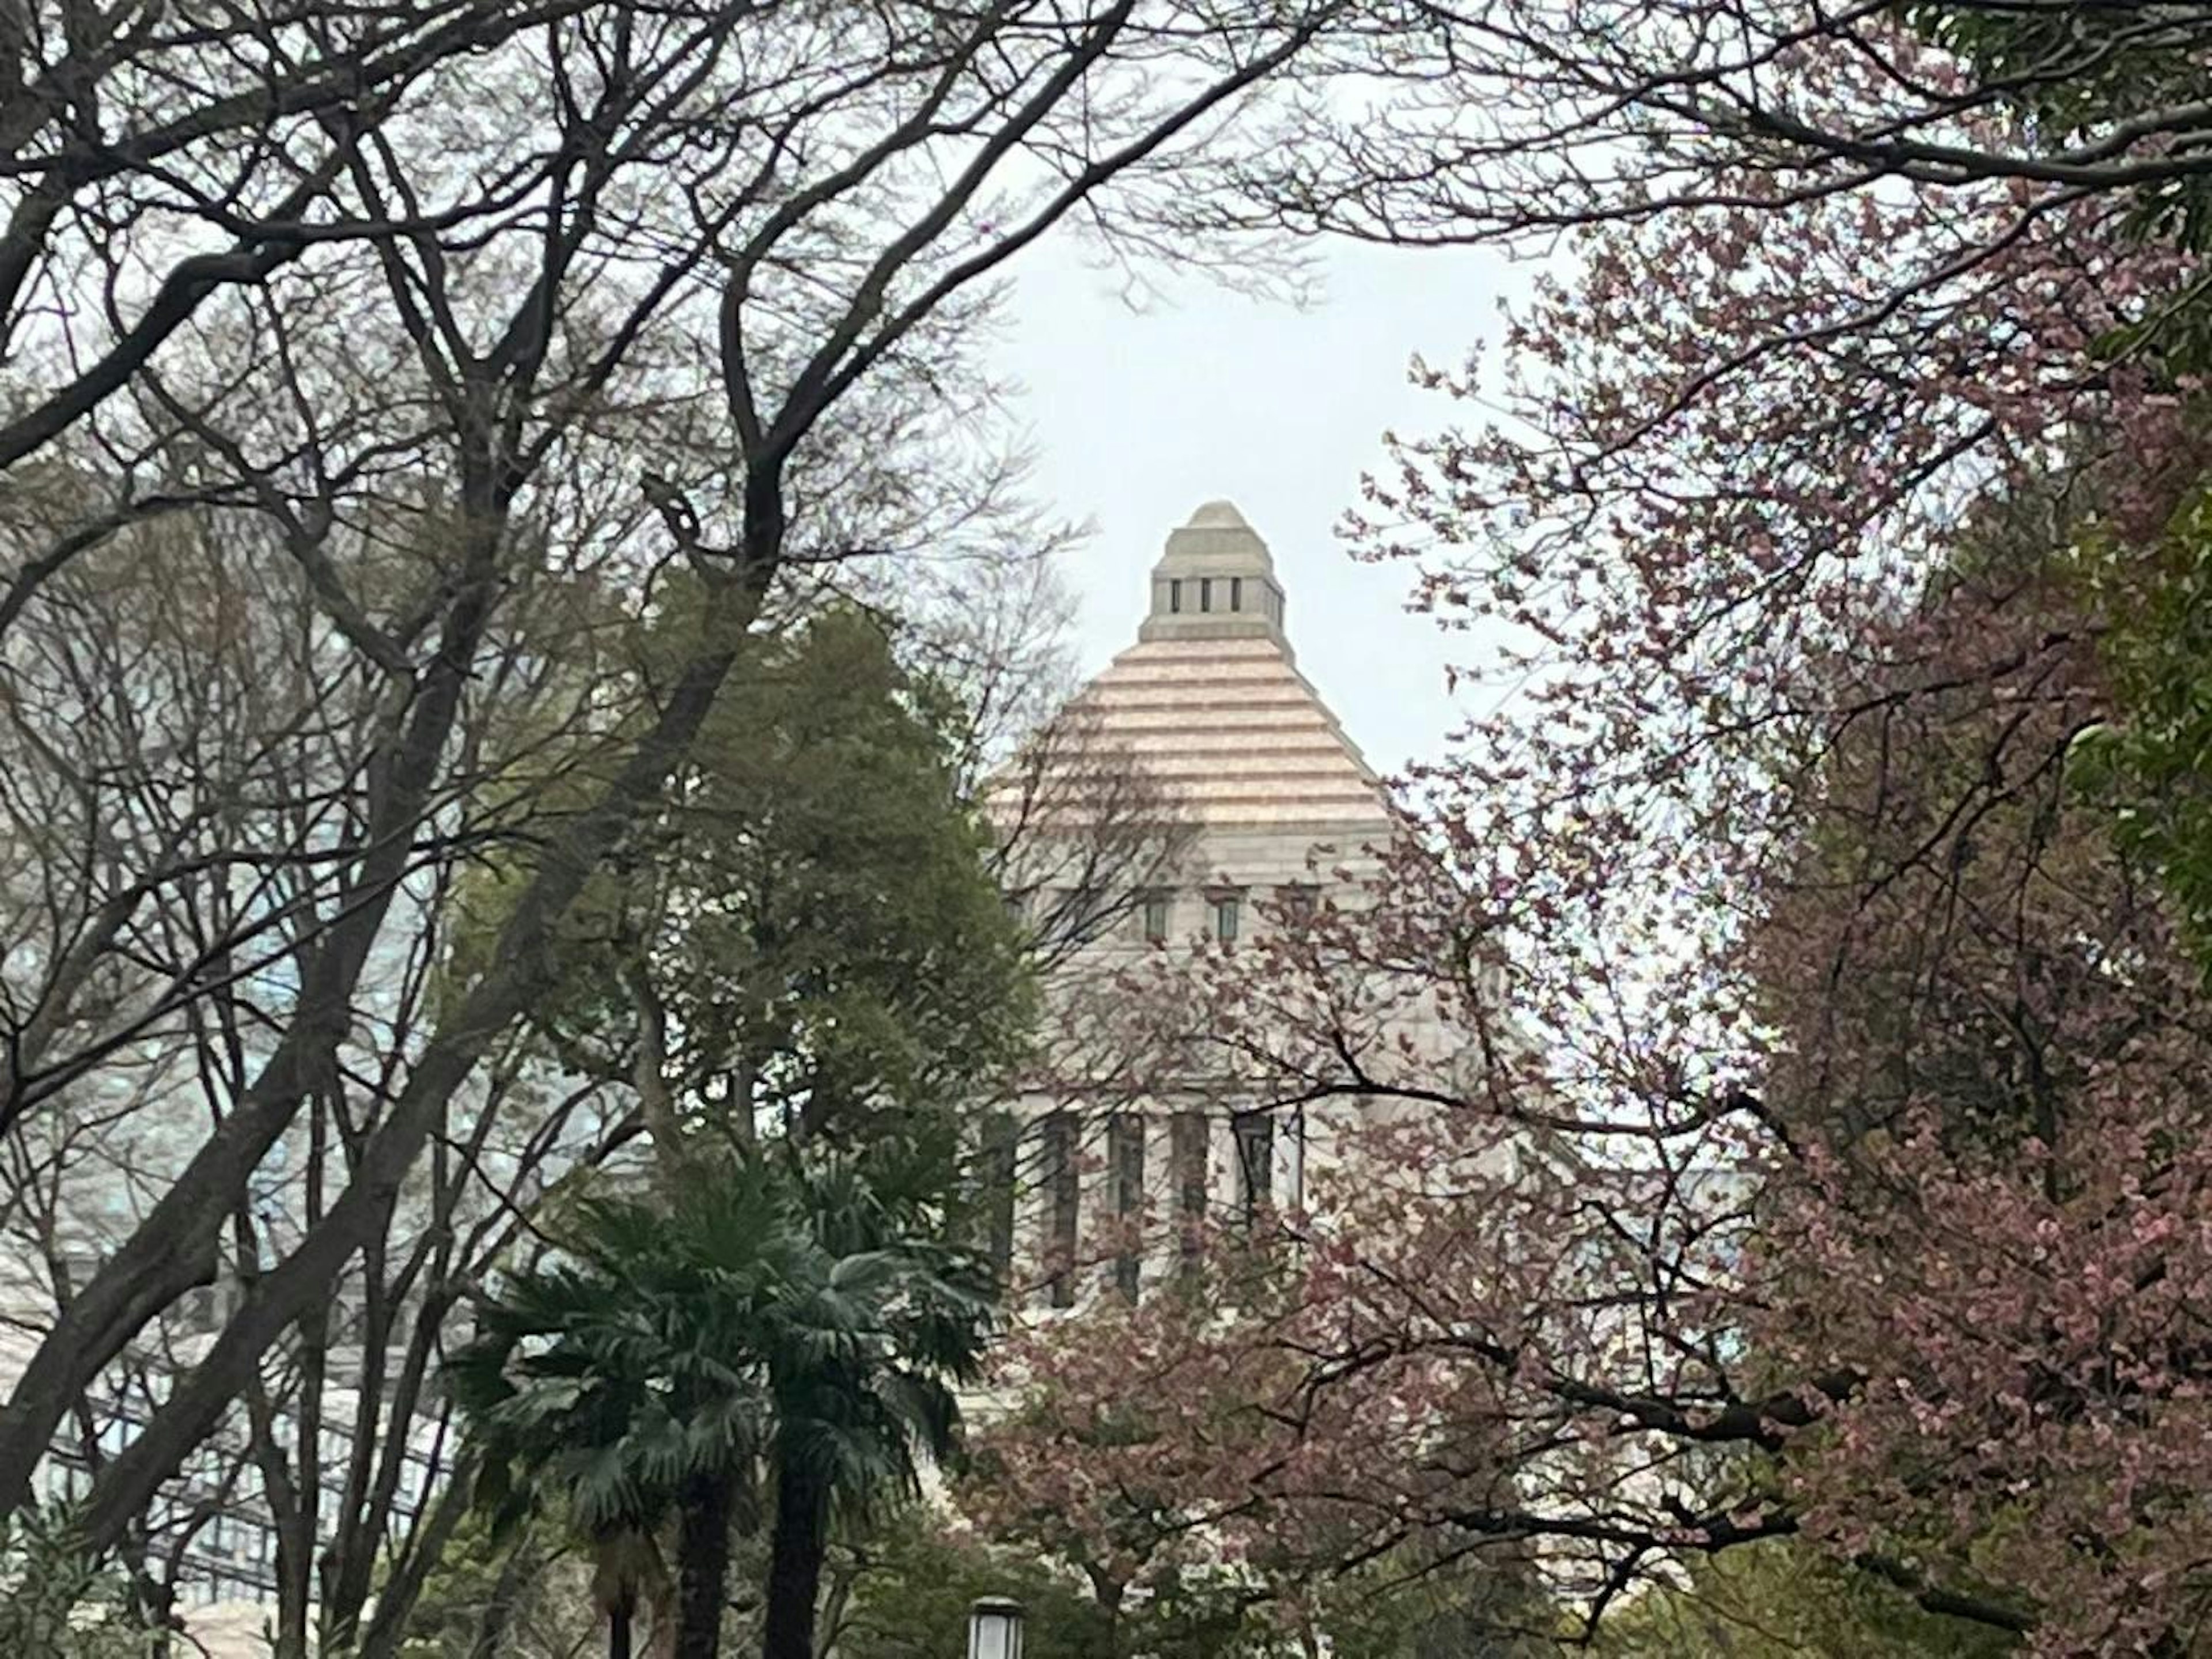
pixel 1209 704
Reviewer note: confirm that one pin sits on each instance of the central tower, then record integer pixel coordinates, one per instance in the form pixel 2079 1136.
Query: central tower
pixel 1216 581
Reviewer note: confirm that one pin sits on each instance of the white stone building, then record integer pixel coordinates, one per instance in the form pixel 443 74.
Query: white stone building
pixel 1275 805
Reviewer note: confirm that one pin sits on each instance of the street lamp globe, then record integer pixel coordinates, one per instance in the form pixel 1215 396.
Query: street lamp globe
pixel 994 1629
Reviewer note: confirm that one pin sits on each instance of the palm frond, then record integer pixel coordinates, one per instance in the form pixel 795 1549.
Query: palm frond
pixel 771 1309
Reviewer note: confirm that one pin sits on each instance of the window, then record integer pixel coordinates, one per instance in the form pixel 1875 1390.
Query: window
pixel 1297 900
pixel 1236 592
pixel 1227 907
pixel 1175 596
pixel 1256 1163
pixel 1063 1195
pixel 1155 916
pixel 1125 1157
pixel 1206 592
pixel 998 1147
pixel 1186 1145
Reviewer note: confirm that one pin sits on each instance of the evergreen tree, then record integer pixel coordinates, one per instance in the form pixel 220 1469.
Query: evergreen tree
pixel 763 1333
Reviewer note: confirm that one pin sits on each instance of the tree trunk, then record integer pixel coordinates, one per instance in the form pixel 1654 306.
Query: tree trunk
pixel 703 1567
pixel 1109 1590
pixel 490 1639
pixel 174 1248
pixel 794 1569
pixel 423 1549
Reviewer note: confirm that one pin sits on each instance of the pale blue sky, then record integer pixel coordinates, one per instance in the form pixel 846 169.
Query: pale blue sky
pixel 1138 417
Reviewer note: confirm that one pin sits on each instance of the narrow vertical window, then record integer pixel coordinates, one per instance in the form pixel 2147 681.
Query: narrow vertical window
pixel 1174 595
pixel 1206 592
pixel 1298 901
pixel 999 1143
pixel 1156 917
pixel 1125 1157
pixel 1256 1163
pixel 1188 1147
pixel 1226 916
pixel 1236 592
pixel 1063 1195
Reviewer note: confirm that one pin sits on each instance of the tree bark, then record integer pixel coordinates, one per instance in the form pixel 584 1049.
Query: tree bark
pixel 425 1548
pixel 703 1567
pixel 522 1563
pixel 656 1100
pixel 794 1571
pixel 1109 1590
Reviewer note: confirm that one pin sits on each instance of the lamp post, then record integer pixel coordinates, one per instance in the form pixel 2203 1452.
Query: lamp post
pixel 994 1629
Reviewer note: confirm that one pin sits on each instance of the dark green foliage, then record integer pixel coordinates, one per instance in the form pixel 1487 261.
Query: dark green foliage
pixel 56 1604
pixel 756 1323
pixel 804 969
pixel 516 1593
pixel 2075 75
pixel 2070 71
pixel 2072 77
pixel 914 1582
pixel 758 1302
pixel 2153 762
pixel 1487 1604
pixel 809 935
pixel 1782 1600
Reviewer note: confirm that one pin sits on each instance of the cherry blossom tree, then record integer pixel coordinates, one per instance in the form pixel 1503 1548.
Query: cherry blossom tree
pixel 1195 1472
pixel 1802 1145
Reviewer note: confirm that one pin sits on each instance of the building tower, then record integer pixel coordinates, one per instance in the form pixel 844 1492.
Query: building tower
pixel 1272 799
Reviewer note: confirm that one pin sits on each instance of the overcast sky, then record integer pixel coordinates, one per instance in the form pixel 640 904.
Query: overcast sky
pixel 1139 415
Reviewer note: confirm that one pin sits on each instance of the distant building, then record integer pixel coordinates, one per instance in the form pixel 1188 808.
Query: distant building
pixel 1274 802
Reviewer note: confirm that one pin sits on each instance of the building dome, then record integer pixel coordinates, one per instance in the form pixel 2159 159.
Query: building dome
pixel 1210 704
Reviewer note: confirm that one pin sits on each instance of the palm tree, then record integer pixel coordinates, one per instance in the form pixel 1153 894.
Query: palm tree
pixel 753 1316
pixel 878 1326
pixel 566 1390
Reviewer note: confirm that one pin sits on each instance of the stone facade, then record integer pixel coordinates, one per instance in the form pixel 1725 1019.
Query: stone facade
pixel 1274 800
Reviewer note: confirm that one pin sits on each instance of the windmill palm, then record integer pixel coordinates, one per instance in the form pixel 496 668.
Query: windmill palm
pixel 757 1316
pixel 591 1388
pixel 862 1360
